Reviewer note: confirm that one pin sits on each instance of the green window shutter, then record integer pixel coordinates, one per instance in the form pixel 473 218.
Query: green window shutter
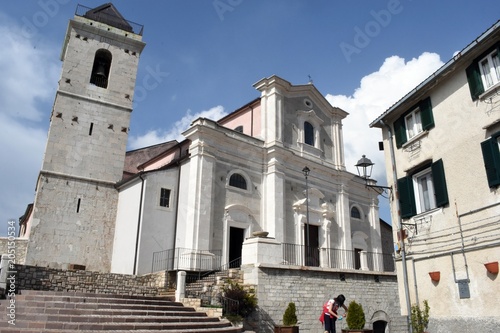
pixel 406 197
pixel 491 157
pixel 474 78
pixel 439 181
pixel 400 132
pixel 425 107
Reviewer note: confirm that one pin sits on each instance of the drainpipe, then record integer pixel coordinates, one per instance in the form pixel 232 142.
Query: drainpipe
pixel 139 218
pixel 400 225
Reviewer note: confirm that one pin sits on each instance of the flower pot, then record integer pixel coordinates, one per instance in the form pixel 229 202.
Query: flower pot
pixel 435 276
pixel 286 329
pixel 492 267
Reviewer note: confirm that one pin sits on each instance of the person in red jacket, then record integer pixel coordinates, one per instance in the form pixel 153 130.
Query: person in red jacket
pixel 330 312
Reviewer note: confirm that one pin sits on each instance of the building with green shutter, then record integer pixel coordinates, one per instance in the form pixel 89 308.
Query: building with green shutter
pixel 441 144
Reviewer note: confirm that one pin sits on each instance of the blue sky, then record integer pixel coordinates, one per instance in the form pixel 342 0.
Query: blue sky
pixel 203 56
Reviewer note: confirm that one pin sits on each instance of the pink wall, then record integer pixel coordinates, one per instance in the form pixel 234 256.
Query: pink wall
pixel 244 118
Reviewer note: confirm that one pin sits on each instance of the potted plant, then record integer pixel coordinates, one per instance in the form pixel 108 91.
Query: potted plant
pixel 356 319
pixel 419 317
pixel 289 321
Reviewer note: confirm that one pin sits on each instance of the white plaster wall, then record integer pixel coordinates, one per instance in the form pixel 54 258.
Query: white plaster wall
pixel 158 223
pixel 126 229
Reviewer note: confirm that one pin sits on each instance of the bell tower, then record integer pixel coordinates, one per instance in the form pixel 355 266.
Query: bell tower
pixel 75 204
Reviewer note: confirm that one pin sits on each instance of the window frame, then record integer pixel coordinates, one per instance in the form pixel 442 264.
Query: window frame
pixel 359 217
pixel 409 192
pixel 237 179
pixel 414 128
pixel 474 73
pixel 163 198
pixel 401 132
pixel 309 134
pixel 493 69
pixel 419 179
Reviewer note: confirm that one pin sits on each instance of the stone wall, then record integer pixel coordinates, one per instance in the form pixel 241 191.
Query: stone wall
pixel 19 247
pixel 310 288
pixel 42 278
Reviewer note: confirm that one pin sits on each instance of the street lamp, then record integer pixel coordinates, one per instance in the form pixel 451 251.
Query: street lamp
pixel 365 167
pixel 306 173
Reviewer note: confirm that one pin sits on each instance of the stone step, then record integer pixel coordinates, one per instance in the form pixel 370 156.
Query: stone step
pixel 42 311
pixel 193 330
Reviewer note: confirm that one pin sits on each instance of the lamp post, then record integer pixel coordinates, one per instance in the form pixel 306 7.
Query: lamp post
pixel 306 173
pixel 364 167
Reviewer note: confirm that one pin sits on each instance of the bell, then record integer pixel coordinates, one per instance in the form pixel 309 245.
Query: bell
pixel 101 71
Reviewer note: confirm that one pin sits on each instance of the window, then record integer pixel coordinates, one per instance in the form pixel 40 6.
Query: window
pixel 419 118
pixel 491 157
pixel 484 72
pixel 490 69
pixel 165 198
pixel 355 213
pixel 238 181
pixel 239 129
pixel 423 190
pixel 308 133
pixel 424 193
pixel 100 69
pixel 413 123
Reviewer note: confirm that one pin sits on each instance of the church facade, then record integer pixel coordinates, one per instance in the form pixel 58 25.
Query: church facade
pixel 274 167
pixel 245 174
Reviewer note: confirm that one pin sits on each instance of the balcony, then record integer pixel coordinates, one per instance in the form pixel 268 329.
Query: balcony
pixel 299 255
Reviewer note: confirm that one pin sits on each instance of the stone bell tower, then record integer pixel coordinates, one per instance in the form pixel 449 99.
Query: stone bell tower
pixel 76 201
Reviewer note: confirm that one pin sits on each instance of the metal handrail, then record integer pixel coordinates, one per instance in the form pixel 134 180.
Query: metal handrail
pixel 300 255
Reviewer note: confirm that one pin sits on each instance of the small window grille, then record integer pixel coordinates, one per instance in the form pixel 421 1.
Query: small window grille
pixel 165 197
pixel 238 181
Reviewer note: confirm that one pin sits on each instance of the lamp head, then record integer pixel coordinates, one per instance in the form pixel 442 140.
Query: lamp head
pixel 364 167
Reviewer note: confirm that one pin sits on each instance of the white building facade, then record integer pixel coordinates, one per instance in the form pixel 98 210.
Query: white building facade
pixel 442 155
pixel 243 174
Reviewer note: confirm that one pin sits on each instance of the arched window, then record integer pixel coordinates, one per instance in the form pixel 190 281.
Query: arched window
pixel 355 213
pixel 308 133
pixel 239 129
pixel 100 69
pixel 238 181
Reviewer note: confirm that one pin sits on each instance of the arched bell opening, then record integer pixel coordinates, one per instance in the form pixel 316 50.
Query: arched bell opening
pixel 101 67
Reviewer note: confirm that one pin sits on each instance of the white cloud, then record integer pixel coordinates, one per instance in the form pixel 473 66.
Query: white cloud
pixel 29 80
pixel 376 93
pixel 174 133
pixel 29 73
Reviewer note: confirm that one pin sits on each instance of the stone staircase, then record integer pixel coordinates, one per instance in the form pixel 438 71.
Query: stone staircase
pixel 210 285
pixel 58 312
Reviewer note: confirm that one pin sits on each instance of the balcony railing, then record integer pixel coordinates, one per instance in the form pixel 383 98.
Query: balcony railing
pixel 299 255
pixel 186 259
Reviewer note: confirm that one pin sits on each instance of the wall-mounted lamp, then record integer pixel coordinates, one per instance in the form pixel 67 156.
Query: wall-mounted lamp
pixel 364 167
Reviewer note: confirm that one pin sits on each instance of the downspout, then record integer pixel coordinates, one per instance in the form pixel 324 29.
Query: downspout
pixel 400 225
pixel 139 219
